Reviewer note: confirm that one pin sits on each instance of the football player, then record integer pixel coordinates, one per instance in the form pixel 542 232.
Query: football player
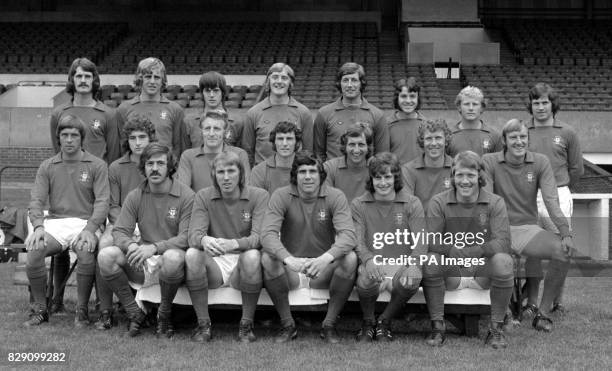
pixel 75 184
pixel 273 173
pixel 161 207
pixel 196 163
pixel 307 239
pixel 224 244
pixel 351 107
pixel 278 106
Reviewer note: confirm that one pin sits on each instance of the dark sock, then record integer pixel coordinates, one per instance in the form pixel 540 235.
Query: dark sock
pixel 399 296
pixel 339 290
pixel 250 295
pixel 367 301
pixel 198 292
pixel 555 277
pixel 533 270
pixel 433 289
pixel 38 285
pixel 105 294
pixel 168 287
pixel 118 282
pixel 278 289
pixel 500 294
pixel 85 281
pixel 60 274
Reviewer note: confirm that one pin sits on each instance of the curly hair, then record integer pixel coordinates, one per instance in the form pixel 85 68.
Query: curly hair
pixel 433 126
pixel 138 122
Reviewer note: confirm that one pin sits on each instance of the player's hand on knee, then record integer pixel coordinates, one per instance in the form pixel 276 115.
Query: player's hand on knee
pixel 37 240
pixel 316 266
pixel 212 246
pixel 294 264
pixel 85 241
pixel 227 245
pixel 374 271
pixel 567 243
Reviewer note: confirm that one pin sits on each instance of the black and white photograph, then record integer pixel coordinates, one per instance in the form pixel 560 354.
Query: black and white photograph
pixel 305 184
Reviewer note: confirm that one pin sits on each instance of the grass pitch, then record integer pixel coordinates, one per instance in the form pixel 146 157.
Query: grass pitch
pixel 580 340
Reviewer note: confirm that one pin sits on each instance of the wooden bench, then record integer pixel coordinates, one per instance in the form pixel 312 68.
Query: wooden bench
pixel 462 307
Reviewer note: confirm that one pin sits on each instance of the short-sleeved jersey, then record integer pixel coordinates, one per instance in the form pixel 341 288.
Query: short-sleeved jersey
pixel 425 182
pixel 333 119
pixel 403 134
pixel 261 119
pixel 297 227
pixel 123 176
pixel 372 218
pixel 75 189
pixel 350 180
pixel 483 140
pixel 238 220
pixel 166 115
pixel 486 220
pixel 101 129
pixel 193 134
pixel 269 176
pixel 163 218
pixel 518 185
pixel 195 166
pixel 560 144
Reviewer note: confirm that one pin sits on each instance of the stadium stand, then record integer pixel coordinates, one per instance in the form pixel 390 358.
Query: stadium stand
pixel 314 50
pixel 50 47
pixel 577 64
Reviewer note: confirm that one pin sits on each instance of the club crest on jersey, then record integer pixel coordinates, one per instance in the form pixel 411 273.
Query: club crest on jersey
pixel 163 115
pixel 486 144
pixel 246 216
pixel 84 176
pixel 557 140
pixel 530 177
pixel 96 124
pixel 322 215
pixel 447 183
pixel 482 219
pixel 399 219
pixel 172 213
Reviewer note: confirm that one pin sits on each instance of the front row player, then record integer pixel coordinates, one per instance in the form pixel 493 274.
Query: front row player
pixel 224 243
pixel 75 183
pixel 385 208
pixel 468 208
pixel 162 208
pixel 307 239
pixel 517 174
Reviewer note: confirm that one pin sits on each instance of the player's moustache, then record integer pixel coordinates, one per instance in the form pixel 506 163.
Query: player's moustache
pixel 154 172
